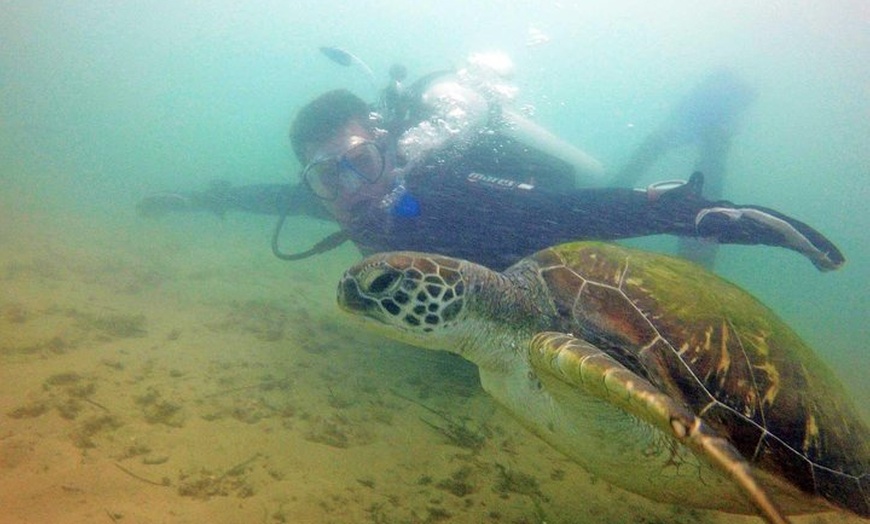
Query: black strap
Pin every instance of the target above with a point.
(327, 244)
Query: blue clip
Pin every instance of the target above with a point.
(406, 206)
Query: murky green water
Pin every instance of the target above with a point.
(174, 371)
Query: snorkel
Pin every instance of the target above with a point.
(390, 104)
(348, 59)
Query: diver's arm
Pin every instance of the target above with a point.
(613, 213)
(518, 219)
(221, 197)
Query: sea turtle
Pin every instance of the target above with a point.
(647, 370)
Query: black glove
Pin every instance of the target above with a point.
(159, 204)
(727, 223)
(214, 199)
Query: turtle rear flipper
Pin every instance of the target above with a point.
(582, 365)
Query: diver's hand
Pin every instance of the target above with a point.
(159, 204)
(726, 223)
(216, 199)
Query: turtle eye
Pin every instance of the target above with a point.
(380, 282)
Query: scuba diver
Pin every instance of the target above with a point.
(443, 165)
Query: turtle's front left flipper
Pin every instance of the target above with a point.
(592, 371)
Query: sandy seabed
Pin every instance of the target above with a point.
(169, 372)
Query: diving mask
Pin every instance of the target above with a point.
(360, 165)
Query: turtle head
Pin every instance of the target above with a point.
(419, 297)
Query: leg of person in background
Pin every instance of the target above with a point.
(713, 150)
(647, 153)
(707, 119)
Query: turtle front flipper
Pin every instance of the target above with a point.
(583, 366)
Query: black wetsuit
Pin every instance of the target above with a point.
(498, 213)
(495, 221)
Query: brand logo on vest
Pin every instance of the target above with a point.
(503, 183)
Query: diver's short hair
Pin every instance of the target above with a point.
(318, 120)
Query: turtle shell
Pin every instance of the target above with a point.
(730, 359)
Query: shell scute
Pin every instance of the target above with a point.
(729, 358)
(781, 459)
(607, 311)
(564, 286)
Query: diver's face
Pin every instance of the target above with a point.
(348, 170)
